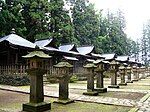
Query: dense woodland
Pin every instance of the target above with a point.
(71, 21)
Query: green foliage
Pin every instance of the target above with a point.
(35, 15)
(14, 80)
(112, 31)
(60, 24)
(86, 23)
(145, 44)
(39, 19)
(73, 79)
(10, 17)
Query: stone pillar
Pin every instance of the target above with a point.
(129, 75)
(114, 78)
(135, 72)
(63, 88)
(122, 71)
(100, 83)
(90, 80)
(113, 72)
(36, 73)
(143, 72)
(64, 69)
(36, 87)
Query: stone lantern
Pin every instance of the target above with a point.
(64, 70)
(102, 66)
(123, 72)
(135, 73)
(90, 79)
(36, 72)
(129, 71)
(113, 69)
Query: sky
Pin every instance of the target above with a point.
(136, 13)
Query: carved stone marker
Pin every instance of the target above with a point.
(90, 79)
(64, 70)
(36, 73)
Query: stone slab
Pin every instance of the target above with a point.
(92, 93)
(101, 90)
(129, 81)
(36, 107)
(64, 102)
(122, 84)
(113, 86)
(135, 80)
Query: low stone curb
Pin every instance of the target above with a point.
(133, 110)
(107, 103)
(145, 98)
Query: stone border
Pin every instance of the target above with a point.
(25, 92)
(144, 98)
(134, 110)
(103, 103)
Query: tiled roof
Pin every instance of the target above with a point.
(85, 50)
(67, 48)
(17, 40)
(70, 58)
(122, 58)
(109, 56)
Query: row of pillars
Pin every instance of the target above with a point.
(37, 104)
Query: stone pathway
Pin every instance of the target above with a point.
(76, 94)
(144, 106)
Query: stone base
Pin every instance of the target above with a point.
(101, 90)
(135, 80)
(142, 77)
(92, 93)
(113, 86)
(64, 102)
(129, 81)
(36, 107)
(122, 84)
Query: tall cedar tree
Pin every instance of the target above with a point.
(60, 25)
(35, 13)
(85, 21)
(10, 17)
(112, 36)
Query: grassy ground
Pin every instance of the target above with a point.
(12, 102)
(88, 107)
